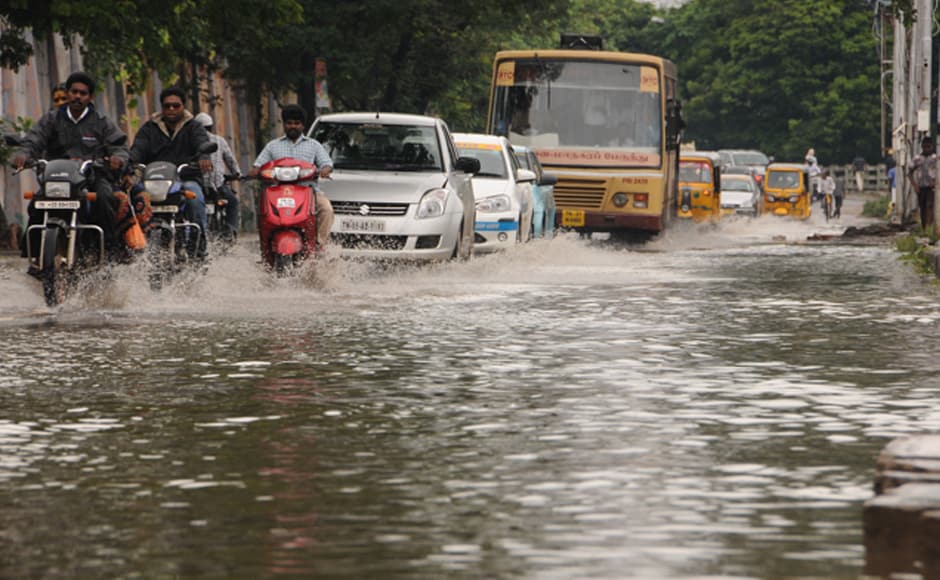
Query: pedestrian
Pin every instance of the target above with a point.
(828, 188)
(814, 173)
(859, 165)
(838, 193)
(923, 175)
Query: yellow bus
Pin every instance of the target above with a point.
(607, 124)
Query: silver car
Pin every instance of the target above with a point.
(398, 188)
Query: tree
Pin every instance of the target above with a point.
(778, 75)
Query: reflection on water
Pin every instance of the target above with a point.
(710, 404)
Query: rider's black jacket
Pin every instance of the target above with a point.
(56, 136)
(155, 142)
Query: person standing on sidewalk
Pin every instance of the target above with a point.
(923, 175)
(859, 164)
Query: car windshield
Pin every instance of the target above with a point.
(379, 146)
(736, 185)
(695, 171)
(750, 158)
(783, 180)
(492, 162)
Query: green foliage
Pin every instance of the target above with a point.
(914, 252)
(877, 208)
(779, 75)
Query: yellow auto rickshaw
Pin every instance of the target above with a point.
(699, 186)
(787, 190)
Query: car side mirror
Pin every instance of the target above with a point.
(469, 165)
(525, 175)
(548, 179)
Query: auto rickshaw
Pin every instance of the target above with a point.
(699, 186)
(786, 190)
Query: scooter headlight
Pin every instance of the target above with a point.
(58, 189)
(291, 173)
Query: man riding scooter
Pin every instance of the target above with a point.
(296, 145)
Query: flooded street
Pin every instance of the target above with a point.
(709, 404)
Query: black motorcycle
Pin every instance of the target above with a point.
(173, 241)
(61, 245)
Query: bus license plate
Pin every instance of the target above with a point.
(62, 204)
(572, 218)
(348, 225)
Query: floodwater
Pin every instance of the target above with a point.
(710, 404)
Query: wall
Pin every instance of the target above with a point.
(26, 93)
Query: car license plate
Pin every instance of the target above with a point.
(164, 209)
(572, 218)
(350, 225)
(64, 204)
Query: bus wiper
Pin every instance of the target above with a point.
(548, 79)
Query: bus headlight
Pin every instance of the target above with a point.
(621, 199)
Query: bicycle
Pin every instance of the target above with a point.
(825, 204)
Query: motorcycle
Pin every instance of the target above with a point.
(173, 241)
(217, 215)
(287, 224)
(68, 246)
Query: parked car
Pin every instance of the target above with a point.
(752, 159)
(739, 194)
(543, 192)
(503, 192)
(398, 188)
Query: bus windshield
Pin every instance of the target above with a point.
(576, 112)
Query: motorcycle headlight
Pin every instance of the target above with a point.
(291, 173)
(494, 204)
(58, 189)
(432, 204)
(157, 188)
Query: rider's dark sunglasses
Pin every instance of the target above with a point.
(172, 105)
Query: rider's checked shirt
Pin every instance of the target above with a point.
(304, 148)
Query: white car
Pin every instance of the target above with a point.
(398, 188)
(503, 191)
(739, 194)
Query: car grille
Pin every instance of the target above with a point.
(374, 209)
(584, 193)
(369, 242)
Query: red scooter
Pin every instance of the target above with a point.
(287, 226)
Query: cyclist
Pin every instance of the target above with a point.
(828, 188)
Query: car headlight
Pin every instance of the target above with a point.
(496, 203)
(432, 204)
(58, 189)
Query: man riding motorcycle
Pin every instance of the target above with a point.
(78, 131)
(222, 159)
(172, 136)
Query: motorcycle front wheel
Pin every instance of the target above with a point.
(55, 282)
